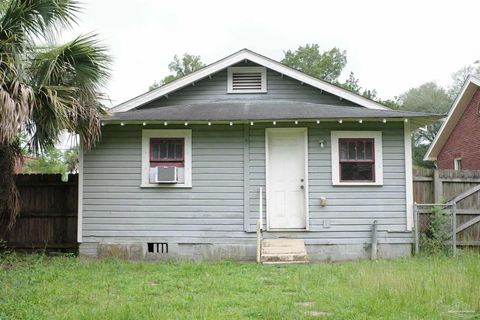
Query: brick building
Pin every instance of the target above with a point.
(457, 144)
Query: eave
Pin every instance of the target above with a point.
(456, 111)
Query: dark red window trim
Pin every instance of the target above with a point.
(170, 160)
(356, 160)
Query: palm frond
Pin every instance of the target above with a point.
(27, 19)
(68, 80)
(16, 102)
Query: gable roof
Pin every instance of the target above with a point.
(239, 56)
(456, 111)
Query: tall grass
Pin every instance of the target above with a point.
(39, 287)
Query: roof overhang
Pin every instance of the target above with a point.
(456, 111)
(261, 111)
(237, 57)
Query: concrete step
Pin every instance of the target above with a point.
(284, 262)
(283, 243)
(284, 250)
(284, 257)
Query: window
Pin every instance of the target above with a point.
(357, 158)
(167, 148)
(357, 161)
(167, 151)
(457, 164)
(247, 80)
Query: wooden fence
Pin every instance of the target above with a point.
(48, 216)
(461, 187)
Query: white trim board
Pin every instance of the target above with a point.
(377, 136)
(407, 143)
(456, 111)
(80, 193)
(235, 58)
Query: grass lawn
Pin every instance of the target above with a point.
(39, 287)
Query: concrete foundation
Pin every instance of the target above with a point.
(345, 252)
(193, 251)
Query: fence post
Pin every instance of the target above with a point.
(454, 229)
(415, 227)
(437, 187)
(373, 255)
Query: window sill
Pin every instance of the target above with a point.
(166, 186)
(246, 91)
(373, 184)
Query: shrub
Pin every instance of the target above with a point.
(434, 238)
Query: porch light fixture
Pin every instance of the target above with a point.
(296, 122)
(103, 123)
(318, 121)
(186, 123)
(231, 123)
(322, 143)
(406, 120)
(209, 123)
(144, 124)
(340, 121)
(384, 120)
(165, 123)
(274, 123)
(360, 121)
(251, 123)
(122, 124)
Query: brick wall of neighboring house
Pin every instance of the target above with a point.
(20, 162)
(464, 141)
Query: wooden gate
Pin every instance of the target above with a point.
(461, 187)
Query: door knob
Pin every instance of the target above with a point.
(302, 187)
(301, 180)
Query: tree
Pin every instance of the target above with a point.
(327, 65)
(429, 97)
(44, 90)
(393, 103)
(459, 77)
(179, 68)
(71, 160)
(352, 84)
(54, 161)
(51, 161)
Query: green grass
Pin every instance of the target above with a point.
(39, 287)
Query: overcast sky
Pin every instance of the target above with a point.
(390, 46)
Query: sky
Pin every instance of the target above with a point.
(391, 46)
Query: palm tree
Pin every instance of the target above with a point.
(44, 90)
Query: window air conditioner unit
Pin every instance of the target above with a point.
(163, 175)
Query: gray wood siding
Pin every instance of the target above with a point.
(278, 87)
(116, 209)
(350, 210)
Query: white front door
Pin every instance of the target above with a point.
(286, 161)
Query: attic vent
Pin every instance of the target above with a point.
(247, 80)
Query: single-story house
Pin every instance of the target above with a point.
(457, 144)
(187, 170)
